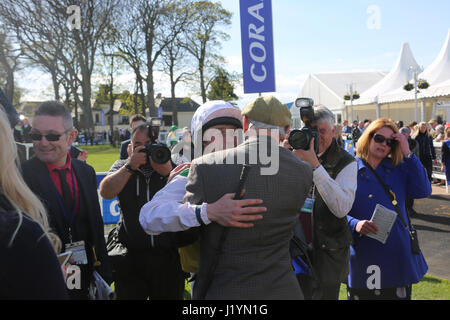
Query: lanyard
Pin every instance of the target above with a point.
(74, 207)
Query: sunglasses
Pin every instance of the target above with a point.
(380, 139)
(50, 137)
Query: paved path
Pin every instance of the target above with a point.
(433, 226)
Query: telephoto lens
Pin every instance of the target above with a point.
(300, 139)
(160, 154)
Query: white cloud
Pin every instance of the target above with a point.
(234, 63)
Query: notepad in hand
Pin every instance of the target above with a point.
(384, 219)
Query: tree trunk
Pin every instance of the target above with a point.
(202, 84)
(56, 87)
(174, 107)
(135, 98)
(86, 106)
(9, 87)
(142, 95)
(151, 95)
(111, 100)
(76, 123)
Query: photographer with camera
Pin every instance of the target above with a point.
(331, 198)
(150, 267)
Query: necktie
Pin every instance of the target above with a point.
(66, 193)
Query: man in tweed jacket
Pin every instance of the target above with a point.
(251, 263)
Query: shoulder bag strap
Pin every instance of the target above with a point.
(389, 193)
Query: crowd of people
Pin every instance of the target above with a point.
(215, 213)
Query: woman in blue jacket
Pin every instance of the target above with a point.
(385, 271)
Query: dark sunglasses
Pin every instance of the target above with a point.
(380, 139)
(50, 137)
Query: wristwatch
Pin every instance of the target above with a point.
(129, 169)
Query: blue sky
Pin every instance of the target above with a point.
(327, 36)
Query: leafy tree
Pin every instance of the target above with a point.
(222, 87)
(9, 65)
(150, 26)
(131, 103)
(203, 38)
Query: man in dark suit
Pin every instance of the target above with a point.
(251, 263)
(68, 188)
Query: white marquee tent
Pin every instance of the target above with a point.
(396, 78)
(437, 75)
(329, 88)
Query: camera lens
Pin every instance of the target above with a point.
(299, 139)
(160, 154)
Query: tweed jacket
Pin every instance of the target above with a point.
(252, 263)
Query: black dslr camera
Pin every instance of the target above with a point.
(301, 139)
(157, 151)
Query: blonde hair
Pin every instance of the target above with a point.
(417, 132)
(447, 133)
(362, 148)
(14, 188)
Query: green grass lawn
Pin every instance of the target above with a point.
(101, 157)
(430, 288)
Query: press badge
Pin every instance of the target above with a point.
(308, 205)
(309, 202)
(78, 252)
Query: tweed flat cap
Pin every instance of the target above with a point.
(268, 110)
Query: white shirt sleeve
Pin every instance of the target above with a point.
(166, 212)
(338, 194)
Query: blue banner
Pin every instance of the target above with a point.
(109, 208)
(257, 46)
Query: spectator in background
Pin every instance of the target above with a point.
(17, 134)
(68, 188)
(357, 132)
(366, 124)
(426, 148)
(385, 271)
(172, 137)
(432, 129)
(399, 124)
(183, 151)
(440, 133)
(346, 128)
(26, 129)
(29, 268)
(445, 160)
(135, 121)
(116, 135)
(414, 147)
(86, 136)
(338, 135)
(413, 127)
(76, 153)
